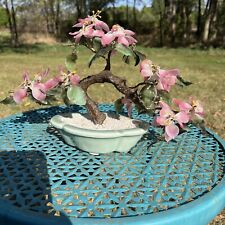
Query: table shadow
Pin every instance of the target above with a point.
(25, 185)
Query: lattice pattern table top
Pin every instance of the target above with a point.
(39, 172)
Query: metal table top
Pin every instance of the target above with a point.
(43, 180)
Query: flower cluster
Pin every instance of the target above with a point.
(166, 78)
(38, 89)
(167, 118)
(91, 27)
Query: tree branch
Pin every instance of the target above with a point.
(106, 76)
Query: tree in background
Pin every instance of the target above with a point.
(157, 22)
(12, 20)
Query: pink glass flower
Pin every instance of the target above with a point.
(169, 119)
(120, 35)
(38, 91)
(51, 83)
(19, 95)
(83, 22)
(194, 107)
(98, 24)
(75, 79)
(146, 69)
(91, 27)
(86, 31)
(167, 78)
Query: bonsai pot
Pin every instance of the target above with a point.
(99, 140)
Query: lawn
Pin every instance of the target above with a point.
(206, 69)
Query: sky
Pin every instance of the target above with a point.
(139, 3)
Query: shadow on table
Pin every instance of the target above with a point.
(24, 183)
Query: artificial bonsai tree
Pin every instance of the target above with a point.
(147, 96)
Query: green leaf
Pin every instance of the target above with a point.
(148, 96)
(8, 100)
(70, 61)
(100, 53)
(184, 82)
(124, 49)
(140, 55)
(118, 105)
(76, 95)
(97, 43)
(137, 59)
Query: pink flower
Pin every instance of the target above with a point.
(83, 22)
(86, 31)
(52, 83)
(167, 78)
(146, 69)
(74, 79)
(120, 35)
(168, 119)
(98, 24)
(19, 95)
(91, 27)
(194, 107)
(38, 91)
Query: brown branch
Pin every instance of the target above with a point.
(106, 76)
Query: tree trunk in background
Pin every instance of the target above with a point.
(209, 15)
(57, 18)
(134, 14)
(11, 14)
(114, 12)
(161, 24)
(9, 19)
(199, 19)
(14, 23)
(79, 10)
(173, 21)
(127, 12)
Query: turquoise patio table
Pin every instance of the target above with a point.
(44, 181)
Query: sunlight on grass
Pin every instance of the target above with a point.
(204, 68)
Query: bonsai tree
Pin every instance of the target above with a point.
(147, 96)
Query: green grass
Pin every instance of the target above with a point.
(206, 69)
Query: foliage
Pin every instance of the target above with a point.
(161, 22)
(3, 17)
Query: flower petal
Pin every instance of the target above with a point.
(107, 39)
(123, 40)
(38, 91)
(97, 33)
(51, 83)
(131, 40)
(101, 25)
(183, 106)
(182, 117)
(172, 131)
(75, 79)
(129, 32)
(19, 95)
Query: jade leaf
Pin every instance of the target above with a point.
(7, 100)
(124, 49)
(118, 105)
(76, 95)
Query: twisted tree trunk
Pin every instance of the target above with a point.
(106, 76)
